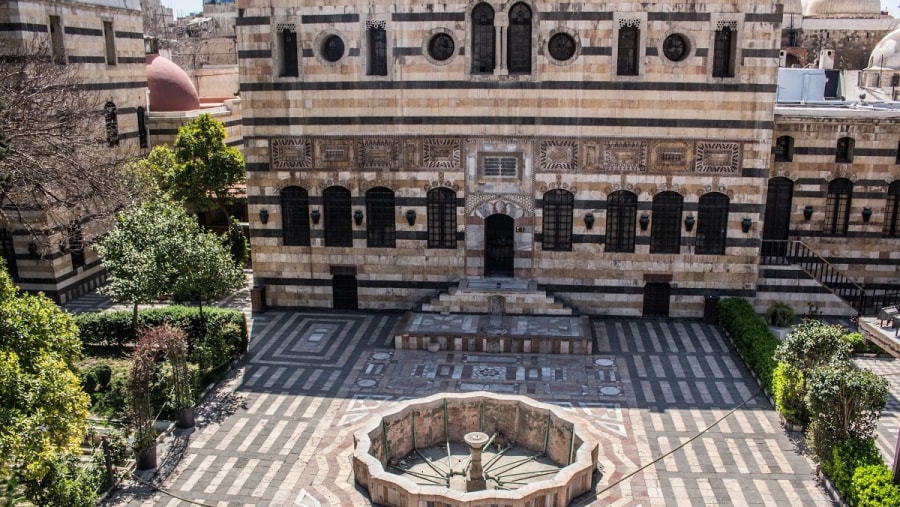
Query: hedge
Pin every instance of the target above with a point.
(752, 337)
(874, 486)
(213, 342)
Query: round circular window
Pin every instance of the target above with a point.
(676, 47)
(561, 46)
(441, 47)
(333, 48)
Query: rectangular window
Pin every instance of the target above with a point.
(501, 167)
(57, 45)
(724, 49)
(784, 149)
(441, 218)
(287, 47)
(110, 38)
(629, 42)
(76, 245)
(377, 50)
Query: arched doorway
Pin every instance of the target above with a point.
(499, 245)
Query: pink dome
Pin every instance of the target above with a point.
(170, 87)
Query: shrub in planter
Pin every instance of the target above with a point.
(874, 487)
(787, 390)
(780, 315)
(106, 382)
(846, 457)
(65, 483)
(752, 337)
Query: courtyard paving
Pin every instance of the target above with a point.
(679, 419)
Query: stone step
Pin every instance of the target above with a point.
(791, 285)
(521, 297)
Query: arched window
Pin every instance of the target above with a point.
(519, 40)
(724, 50)
(377, 65)
(112, 123)
(621, 212)
(295, 216)
(837, 207)
(557, 210)
(784, 149)
(338, 229)
(712, 224)
(441, 218)
(381, 224)
(482, 39)
(665, 230)
(892, 211)
(844, 152)
(628, 50)
(286, 46)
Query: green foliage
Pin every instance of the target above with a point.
(43, 409)
(788, 391)
(105, 381)
(237, 243)
(157, 249)
(846, 457)
(780, 315)
(844, 403)
(751, 336)
(65, 484)
(856, 342)
(206, 167)
(874, 487)
(811, 344)
(153, 169)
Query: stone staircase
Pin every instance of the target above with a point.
(791, 285)
(520, 297)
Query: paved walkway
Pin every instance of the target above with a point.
(679, 419)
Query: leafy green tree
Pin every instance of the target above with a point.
(206, 167)
(156, 249)
(809, 345)
(844, 403)
(155, 168)
(44, 410)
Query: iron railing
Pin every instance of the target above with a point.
(794, 252)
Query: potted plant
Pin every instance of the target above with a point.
(182, 396)
(144, 443)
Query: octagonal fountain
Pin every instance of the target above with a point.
(474, 449)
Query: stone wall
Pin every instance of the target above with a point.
(573, 124)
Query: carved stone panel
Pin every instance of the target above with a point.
(559, 155)
(291, 153)
(718, 157)
(671, 156)
(441, 153)
(334, 153)
(628, 155)
(590, 155)
(412, 153)
(377, 153)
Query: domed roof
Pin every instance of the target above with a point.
(854, 9)
(170, 87)
(887, 53)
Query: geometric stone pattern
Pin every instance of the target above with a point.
(311, 380)
(554, 154)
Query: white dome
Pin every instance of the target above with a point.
(887, 53)
(853, 9)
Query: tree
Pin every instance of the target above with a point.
(156, 249)
(206, 167)
(844, 403)
(58, 163)
(44, 410)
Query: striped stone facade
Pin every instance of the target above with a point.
(105, 40)
(574, 124)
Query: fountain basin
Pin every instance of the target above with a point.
(443, 420)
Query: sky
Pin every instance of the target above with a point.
(183, 7)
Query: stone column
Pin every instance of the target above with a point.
(475, 478)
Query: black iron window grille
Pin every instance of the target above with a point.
(724, 49)
(483, 39)
(295, 216)
(518, 39)
(287, 46)
(837, 207)
(627, 57)
(621, 214)
(844, 152)
(892, 211)
(665, 229)
(338, 221)
(381, 223)
(712, 224)
(441, 218)
(377, 49)
(558, 207)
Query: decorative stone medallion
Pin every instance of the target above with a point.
(671, 156)
(291, 153)
(625, 155)
(718, 157)
(559, 155)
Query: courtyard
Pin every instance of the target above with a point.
(679, 419)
